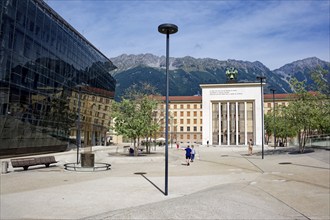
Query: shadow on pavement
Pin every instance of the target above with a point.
(143, 175)
(303, 165)
(284, 151)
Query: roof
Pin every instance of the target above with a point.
(98, 91)
(278, 96)
(182, 98)
(284, 96)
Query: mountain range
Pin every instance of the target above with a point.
(187, 73)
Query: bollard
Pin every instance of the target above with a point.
(4, 167)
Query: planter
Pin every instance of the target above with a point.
(87, 159)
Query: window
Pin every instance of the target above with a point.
(195, 106)
(188, 128)
(188, 106)
(181, 106)
(181, 128)
(195, 121)
(174, 106)
(188, 121)
(181, 114)
(195, 114)
(175, 114)
(201, 128)
(201, 113)
(188, 114)
(195, 128)
(181, 121)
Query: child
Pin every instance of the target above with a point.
(193, 152)
(250, 147)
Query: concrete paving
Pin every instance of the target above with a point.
(222, 183)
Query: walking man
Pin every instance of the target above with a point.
(188, 154)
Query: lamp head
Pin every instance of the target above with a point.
(167, 28)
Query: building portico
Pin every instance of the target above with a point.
(231, 113)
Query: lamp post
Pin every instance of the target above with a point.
(78, 134)
(273, 90)
(261, 78)
(167, 29)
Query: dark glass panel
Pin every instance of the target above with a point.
(42, 62)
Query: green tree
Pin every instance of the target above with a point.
(306, 113)
(322, 85)
(134, 115)
(269, 127)
(283, 128)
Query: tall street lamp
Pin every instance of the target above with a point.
(273, 90)
(78, 134)
(167, 29)
(261, 78)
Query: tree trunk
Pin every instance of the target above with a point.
(135, 148)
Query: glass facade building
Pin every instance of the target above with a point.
(45, 64)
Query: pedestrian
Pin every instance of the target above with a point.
(177, 146)
(193, 152)
(207, 142)
(188, 154)
(250, 147)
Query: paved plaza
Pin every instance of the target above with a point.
(222, 183)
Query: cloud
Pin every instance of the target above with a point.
(273, 32)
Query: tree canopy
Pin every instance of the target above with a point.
(135, 114)
(308, 113)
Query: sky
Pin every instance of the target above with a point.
(270, 31)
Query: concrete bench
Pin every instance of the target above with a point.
(32, 161)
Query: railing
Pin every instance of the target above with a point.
(319, 141)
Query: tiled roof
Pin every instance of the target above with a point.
(182, 98)
(278, 96)
(283, 96)
(98, 91)
(199, 98)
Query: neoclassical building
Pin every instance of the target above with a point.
(232, 113)
(225, 114)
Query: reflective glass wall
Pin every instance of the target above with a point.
(43, 62)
